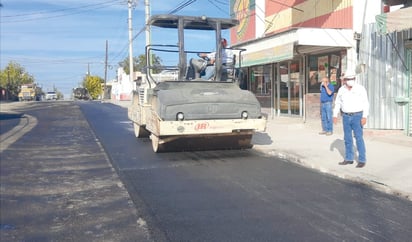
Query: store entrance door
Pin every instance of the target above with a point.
(289, 88)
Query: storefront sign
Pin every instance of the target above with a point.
(269, 55)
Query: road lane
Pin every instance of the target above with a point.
(57, 183)
(242, 195)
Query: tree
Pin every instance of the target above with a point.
(139, 64)
(13, 76)
(58, 93)
(94, 85)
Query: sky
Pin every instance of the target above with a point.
(59, 41)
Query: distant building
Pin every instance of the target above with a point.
(122, 88)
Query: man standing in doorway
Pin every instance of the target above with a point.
(352, 102)
(326, 98)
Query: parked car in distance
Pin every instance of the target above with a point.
(81, 93)
(51, 96)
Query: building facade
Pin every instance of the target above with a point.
(121, 87)
(290, 45)
(386, 53)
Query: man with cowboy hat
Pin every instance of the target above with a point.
(352, 103)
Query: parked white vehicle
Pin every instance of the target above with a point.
(51, 96)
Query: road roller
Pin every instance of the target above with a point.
(186, 112)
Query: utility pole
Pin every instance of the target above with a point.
(8, 83)
(148, 36)
(105, 70)
(130, 42)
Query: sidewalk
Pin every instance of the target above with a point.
(388, 152)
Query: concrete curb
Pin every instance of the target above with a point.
(289, 157)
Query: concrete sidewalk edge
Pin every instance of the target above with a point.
(293, 158)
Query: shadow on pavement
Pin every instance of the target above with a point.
(6, 116)
(261, 139)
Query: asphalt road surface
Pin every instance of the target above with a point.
(242, 195)
(57, 183)
(79, 174)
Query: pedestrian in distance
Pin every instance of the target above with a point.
(326, 100)
(353, 105)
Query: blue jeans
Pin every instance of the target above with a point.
(326, 116)
(352, 123)
(209, 72)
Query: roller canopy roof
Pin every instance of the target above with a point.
(191, 22)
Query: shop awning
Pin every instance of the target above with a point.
(270, 49)
(297, 41)
(268, 55)
(394, 21)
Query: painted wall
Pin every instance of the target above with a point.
(262, 18)
(244, 11)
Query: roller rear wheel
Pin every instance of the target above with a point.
(157, 144)
(140, 131)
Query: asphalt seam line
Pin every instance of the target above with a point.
(27, 123)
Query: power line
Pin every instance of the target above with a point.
(38, 15)
(57, 10)
(214, 4)
(51, 60)
(182, 5)
(221, 2)
(289, 6)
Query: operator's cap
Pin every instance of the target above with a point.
(349, 75)
(224, 42)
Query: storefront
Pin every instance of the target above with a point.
(277, 86)
(285, 71)
(319, 65)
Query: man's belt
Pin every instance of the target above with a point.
(351, 114)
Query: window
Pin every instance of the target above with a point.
(261, 80)
(328, 65)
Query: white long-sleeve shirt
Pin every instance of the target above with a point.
(227, 56)
(351, 101)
